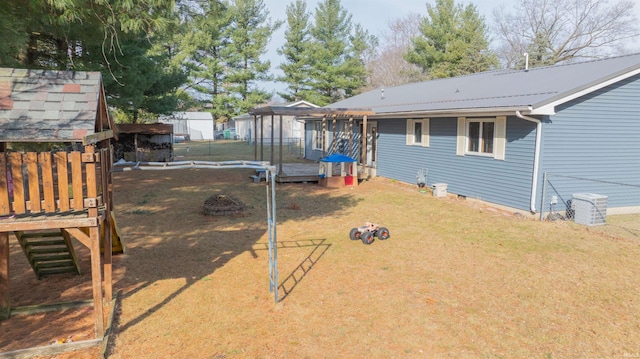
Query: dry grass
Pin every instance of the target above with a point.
(456, 279)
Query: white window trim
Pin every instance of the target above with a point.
(499, 137)
(410, 137)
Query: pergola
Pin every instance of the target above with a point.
(325, 113)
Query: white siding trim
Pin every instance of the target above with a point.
(462, 136)
(500, 138)
(409, 139)
(410, 134)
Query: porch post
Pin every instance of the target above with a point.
(350, 135)
(324, 135)
(334, 124)
(261, 137)
(363, 150)
(255, 137)
(5, 300)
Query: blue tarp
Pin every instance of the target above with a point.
(336, 157)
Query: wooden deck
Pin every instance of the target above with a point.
(297, 172)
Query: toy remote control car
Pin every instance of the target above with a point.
(368, 232)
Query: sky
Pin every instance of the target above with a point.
(374, 15)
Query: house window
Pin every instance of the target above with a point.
(317, 135)
(418, 133)
(480, 136)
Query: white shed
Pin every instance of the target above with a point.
(195, 126)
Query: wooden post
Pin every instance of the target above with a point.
(324, 135)
(135, 145)
(350, 136)
(107, 195)
(5, 300)
(255, 137)
(334, 125)
(96, 280)
(94, 232)
(364, 142)
(261, 137)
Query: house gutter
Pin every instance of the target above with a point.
(536, 158)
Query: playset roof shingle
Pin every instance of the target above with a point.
(49, 106)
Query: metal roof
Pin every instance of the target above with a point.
(536, 90)
(303, 105)
(309, 111)
(50, 106)
(197, 116)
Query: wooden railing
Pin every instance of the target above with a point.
(51, 182)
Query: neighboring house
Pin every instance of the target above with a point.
(193, 126)
(494, 135)
(292, 127)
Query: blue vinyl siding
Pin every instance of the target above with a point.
(597, 137)
(505, 182)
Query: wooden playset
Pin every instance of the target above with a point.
(49, 196)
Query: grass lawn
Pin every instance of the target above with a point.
(456, 278)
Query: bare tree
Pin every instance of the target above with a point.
(388, 67)
(555, 31)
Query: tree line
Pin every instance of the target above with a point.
(159, 56)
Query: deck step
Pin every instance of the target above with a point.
(50, 258)
(27, 235)
(40, 243)
(57, 270)
(49, 252)
(55, 264)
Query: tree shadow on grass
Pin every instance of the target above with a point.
(153, 208)
(195, 261)
(170, 239)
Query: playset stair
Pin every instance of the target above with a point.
(49, 252)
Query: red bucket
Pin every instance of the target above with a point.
(349, 180)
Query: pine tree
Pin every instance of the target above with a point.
(143, 84)
(453, 41)
(202, 52)
(249, 35)
(336, 68)
(114, 37)
(295, 52)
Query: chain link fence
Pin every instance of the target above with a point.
(291, 145)
(586, 200)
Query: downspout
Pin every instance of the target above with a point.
(536, 158)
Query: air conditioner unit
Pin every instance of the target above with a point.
(589, 209)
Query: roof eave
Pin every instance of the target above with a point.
(484, 111)
(547, 107)
(309, 112)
